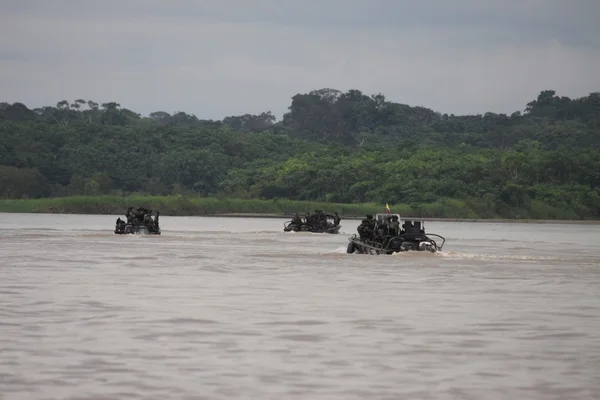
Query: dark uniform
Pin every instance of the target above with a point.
(393, 226)
(129, 214)
(336, 219)
(366, 229)
(296, 220)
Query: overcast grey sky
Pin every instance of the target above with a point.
(229, 57)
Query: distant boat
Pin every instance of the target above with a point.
(140, 222)
(319, 222)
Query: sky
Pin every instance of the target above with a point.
(232, 57)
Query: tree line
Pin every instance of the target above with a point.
(330, 146)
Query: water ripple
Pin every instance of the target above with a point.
(234, 308)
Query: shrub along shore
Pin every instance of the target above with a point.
(349, 152)
(454, 210)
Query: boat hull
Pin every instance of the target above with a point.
(392, 245)
(136, 229)
(306, 228)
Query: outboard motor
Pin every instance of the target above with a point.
(406, 246)
(395, 244)
(427, 246)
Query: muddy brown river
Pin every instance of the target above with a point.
(234, 308)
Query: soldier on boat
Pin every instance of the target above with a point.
(317, 222)
(383, 235)
(140, 221)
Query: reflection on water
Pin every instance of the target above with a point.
(235, 308)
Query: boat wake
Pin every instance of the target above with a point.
(497, 257)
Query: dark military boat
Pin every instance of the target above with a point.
(290, 227)
(318, 222)
(412, 237)
(140, 222)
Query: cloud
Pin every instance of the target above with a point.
(217, 59)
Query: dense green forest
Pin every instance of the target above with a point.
(329, 147)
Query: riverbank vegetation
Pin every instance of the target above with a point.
(335, 151)
(179, 205)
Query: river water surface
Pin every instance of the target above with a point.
(234, 308)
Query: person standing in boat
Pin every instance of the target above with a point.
(372, 222)
(366, 230)
(309, 219)
(393, 226)
(381, 229)
(323, 220)
(296, 220)
(129, 215)
(363, 229)
(336, 219)
(148, 220)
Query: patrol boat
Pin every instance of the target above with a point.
(411, 237)
(140, 222)
(319, 222)
(304, 227)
